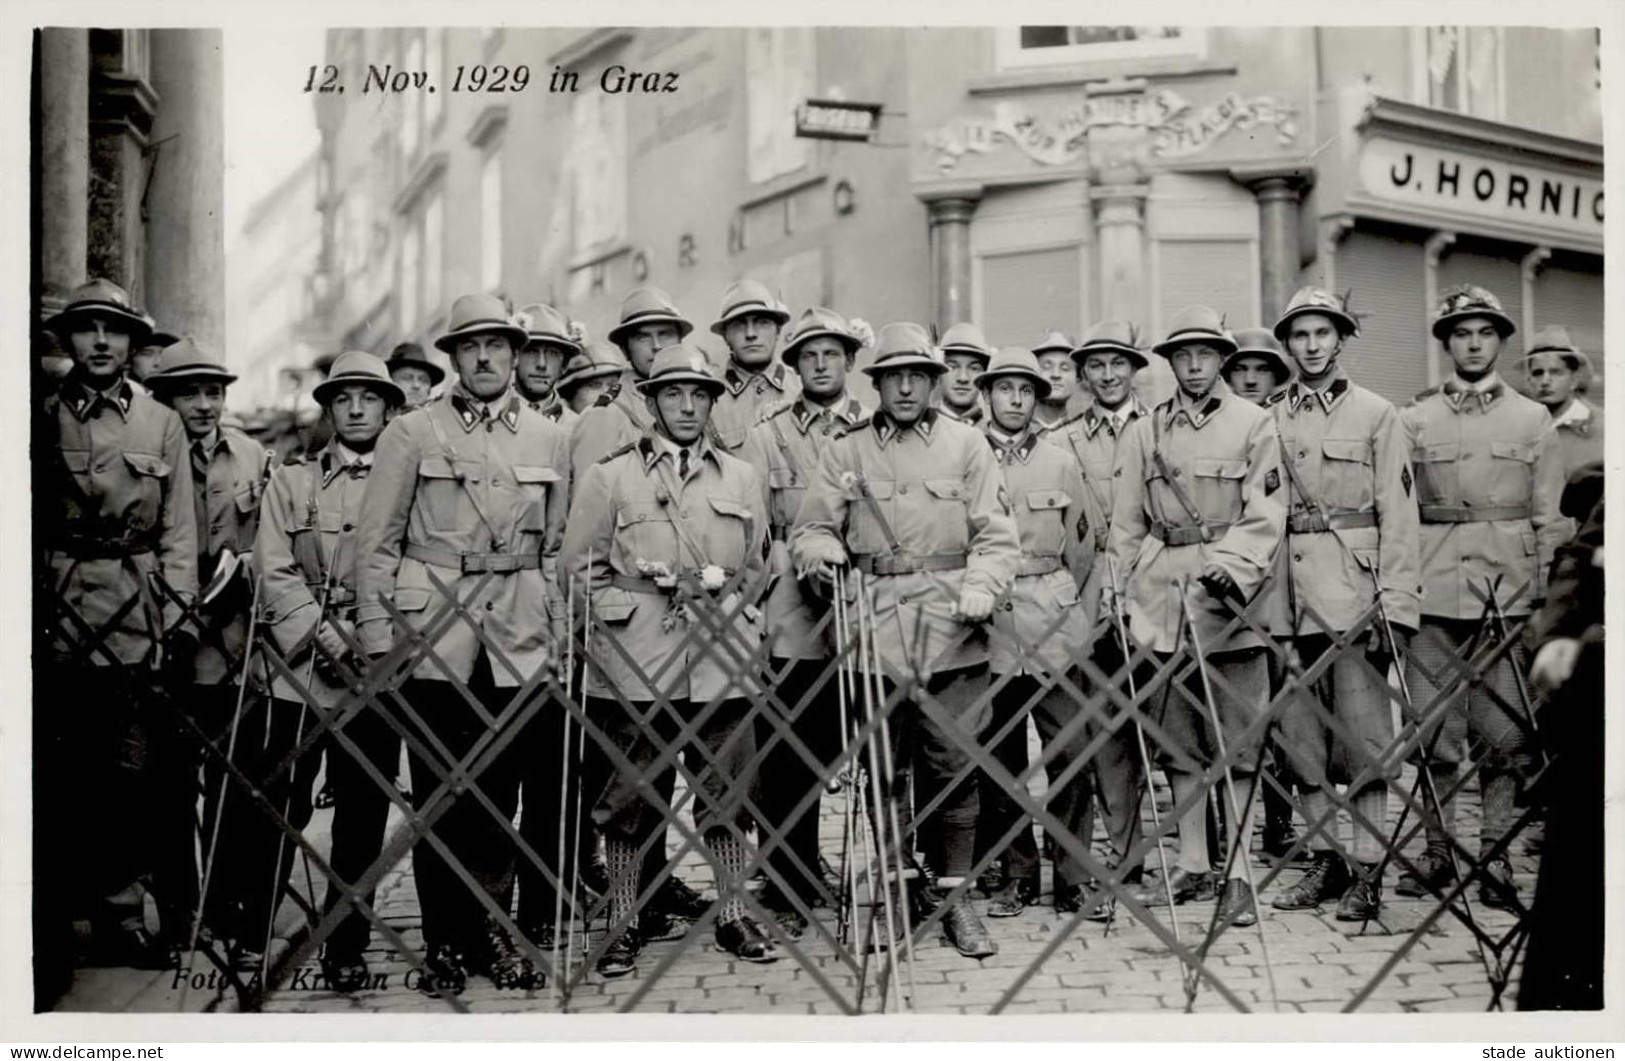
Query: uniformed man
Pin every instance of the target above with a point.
(1558, 373)
(1066, 398)
(966, 353)
(415, 372)
(228, 471)
(595, 370)
(1199, 511)
(1488, 476)
(1257, 368)
(472, 488)
(1351, 540)
(1038, 632)
(1108, 361)
(914, 501)
(662, 519)
(784, 449)
(116, 519)
(749, 322)
(306, 554)
(537, 370)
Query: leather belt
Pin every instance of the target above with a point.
(1318, 522)
(1187, 533)
(1038, 565)
(474, 563)
(647, 585)
(1472, 513)
(906, 564)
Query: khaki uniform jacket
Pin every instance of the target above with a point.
(439, 474)
(784, 448)
(557, 410)
(1346, 448)
(1224, 454)
(1040, 612)
(226, 490)
(748, 396)
(1491, 451)
(606, 425)
(1091, 437)
(629, 507)
(307, 535)
(115, 500)
(939, 490)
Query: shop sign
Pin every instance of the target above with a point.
(825, 119)
(1460, 182)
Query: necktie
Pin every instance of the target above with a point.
(682, 463)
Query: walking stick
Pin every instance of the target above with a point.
(892, 824)
(575, 827)
(1229, 784)
(564, 790)
(877, 817)
(848, 894)
(1145, 757)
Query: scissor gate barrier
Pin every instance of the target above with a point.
(878, 905)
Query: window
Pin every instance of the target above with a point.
(1464, 70)
(780, 70)
(1022, 46)
(598, 162)
(491, 222)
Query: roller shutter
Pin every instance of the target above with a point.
(1570, 295)
(1381, 272)
(1215, 273)
(1030, 293)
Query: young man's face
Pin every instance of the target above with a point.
(415, 382)
(1109, 377)
(904, 392)
(751, 339)
(1251, 378)
(144, 362)
(199, 406)
(822, 364)
(1196, 366)
(647, 340)
(100, 347)
(1011, 400)
(485, 364)
(587, 391)
(1550, 379)
(1473, 344)
(684, 409)
(537, 369)
(1313, 341)
(959, 382)
(1061, 372)
(358, 412)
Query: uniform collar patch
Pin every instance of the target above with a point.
(470, 410)
(738, 378)
(83, 400)
(885, 427)
(1006, 449)
(1327, 396)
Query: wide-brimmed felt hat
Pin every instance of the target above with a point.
(1554, 339)
(411, 355)
(1317, 300)
(1053, 343)
(161, 339)
(904, 344)
(476, 315)
(186, 362)
(1258, 342)
(965, 338)
(544, 324)
(681, 363)
(648, 305)
(1196, 324)
(748, 296)
(819, 322)
(595, 360)
(1111, 336)
(101, 298)
(1469, 300)
(1014, 361)
(358, 366)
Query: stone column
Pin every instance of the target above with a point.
(185, 233)
(1278, 256)
(64, 162)
(1432, 251)
(1120, 242)
(949, 218)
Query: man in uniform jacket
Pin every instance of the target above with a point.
(783, 448)
(472, 488)
(114, 508)
(1488, 476)
(749, 322)
(228, 471)
(306, 556)
(537, 369)
(1352, 537)
(1066, 397)
(664, 519)
(914, 501)
(596, 369)
(1199, 512)
(1038, 634)
(965, 353)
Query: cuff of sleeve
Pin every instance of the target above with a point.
(376, 635)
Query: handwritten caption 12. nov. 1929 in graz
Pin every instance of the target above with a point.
(495, 77)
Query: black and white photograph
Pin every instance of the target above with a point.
(814, 520)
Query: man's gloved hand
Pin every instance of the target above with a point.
(1218, 583)
(975, 606)
(819, 557)
(330, 640)
(1554, 663)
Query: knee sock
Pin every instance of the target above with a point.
(1499, 789)
(1440, 831)
(1371, 803)
(731, 877)
(1192, 824)
(1247, 807)
(620, 857)
(1319, 818)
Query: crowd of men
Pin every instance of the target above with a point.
(1009, 512)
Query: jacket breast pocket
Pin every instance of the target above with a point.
(1044, 521)
(644, 532)
(1512, 464)
(149, 478)
(863, 529)
(1346, 473)
(1435, 467)
(947, 528)
(441, 486)
(729, 533)
(534, 481)
(1217, 483)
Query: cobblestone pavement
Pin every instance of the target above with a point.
(1318, 963)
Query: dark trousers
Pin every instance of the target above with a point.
(553, 786)
(360, 813)
(453, 914)
(812, 713)
(926, 760)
